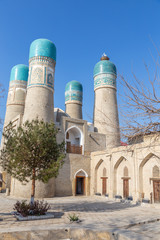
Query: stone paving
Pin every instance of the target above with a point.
(97, 213)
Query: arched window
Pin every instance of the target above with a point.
(155, 171)
(125, 172)
(74, 140)
(104, 172)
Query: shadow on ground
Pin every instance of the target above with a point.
(92, 206)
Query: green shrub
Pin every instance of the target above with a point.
(28, 209)
(73, 217)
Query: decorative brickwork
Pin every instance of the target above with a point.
(105, 80)
(41, 72)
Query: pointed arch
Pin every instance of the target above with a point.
(95, 177)
(81, 170)
(145, 160)
(74, 137)
(122, 158)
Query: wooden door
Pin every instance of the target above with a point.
(125, 188)
(104, 185)
(156, 191)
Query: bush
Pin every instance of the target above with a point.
(73, 217)
(27, 209)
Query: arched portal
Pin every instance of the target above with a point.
(74, 140)
(95, 177)
(122, 178)
(80, 182)
(149, 180)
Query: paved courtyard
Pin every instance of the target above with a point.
(96, 213)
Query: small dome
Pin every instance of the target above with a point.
(73, 91)
(42, 47)
(104, 66)
(19, 72)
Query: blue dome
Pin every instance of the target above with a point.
(74, 85)
(19, 72)
(42, 47)
(104, 66)
(73, 91)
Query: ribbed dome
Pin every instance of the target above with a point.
(104, 66)
(73, 91)
(42, 47)
(19, 72)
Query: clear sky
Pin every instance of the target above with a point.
(82, 31)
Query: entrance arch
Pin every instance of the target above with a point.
(74, 140)
(122, 178)
(81, 183)
(149, 181)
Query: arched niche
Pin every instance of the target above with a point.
(146, 173)
(74, 140)
(118, 183)
(95, 175)
(81, 184)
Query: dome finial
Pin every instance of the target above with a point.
(104, 57)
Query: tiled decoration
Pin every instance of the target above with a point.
(104, 66)
(41, 75)
(73, 92)
(104, 80)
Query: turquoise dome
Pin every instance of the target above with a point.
(42, 47)
(19, 72)
(104, 66)
(73, 91)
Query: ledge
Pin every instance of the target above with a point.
(28, 218)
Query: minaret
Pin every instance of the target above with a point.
(16, 93)
(105, 107)
(40, 89)
(73, 99)
(39, 103)
(15, 100)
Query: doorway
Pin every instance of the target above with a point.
(80, 185)
(156, 191)
(104, 185)
(125, 188)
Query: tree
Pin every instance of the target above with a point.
(31, 152)
(142, 104)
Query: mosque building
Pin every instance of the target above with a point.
(95, 162)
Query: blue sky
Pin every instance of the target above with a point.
(82, 31)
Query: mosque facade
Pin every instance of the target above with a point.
(95, 162)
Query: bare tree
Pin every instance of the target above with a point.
(142, 104)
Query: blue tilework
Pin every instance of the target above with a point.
(105, 81)
(74, 91)
(19, 72)
(104, 66)
(42, 47)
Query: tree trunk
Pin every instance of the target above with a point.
(33, 186)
